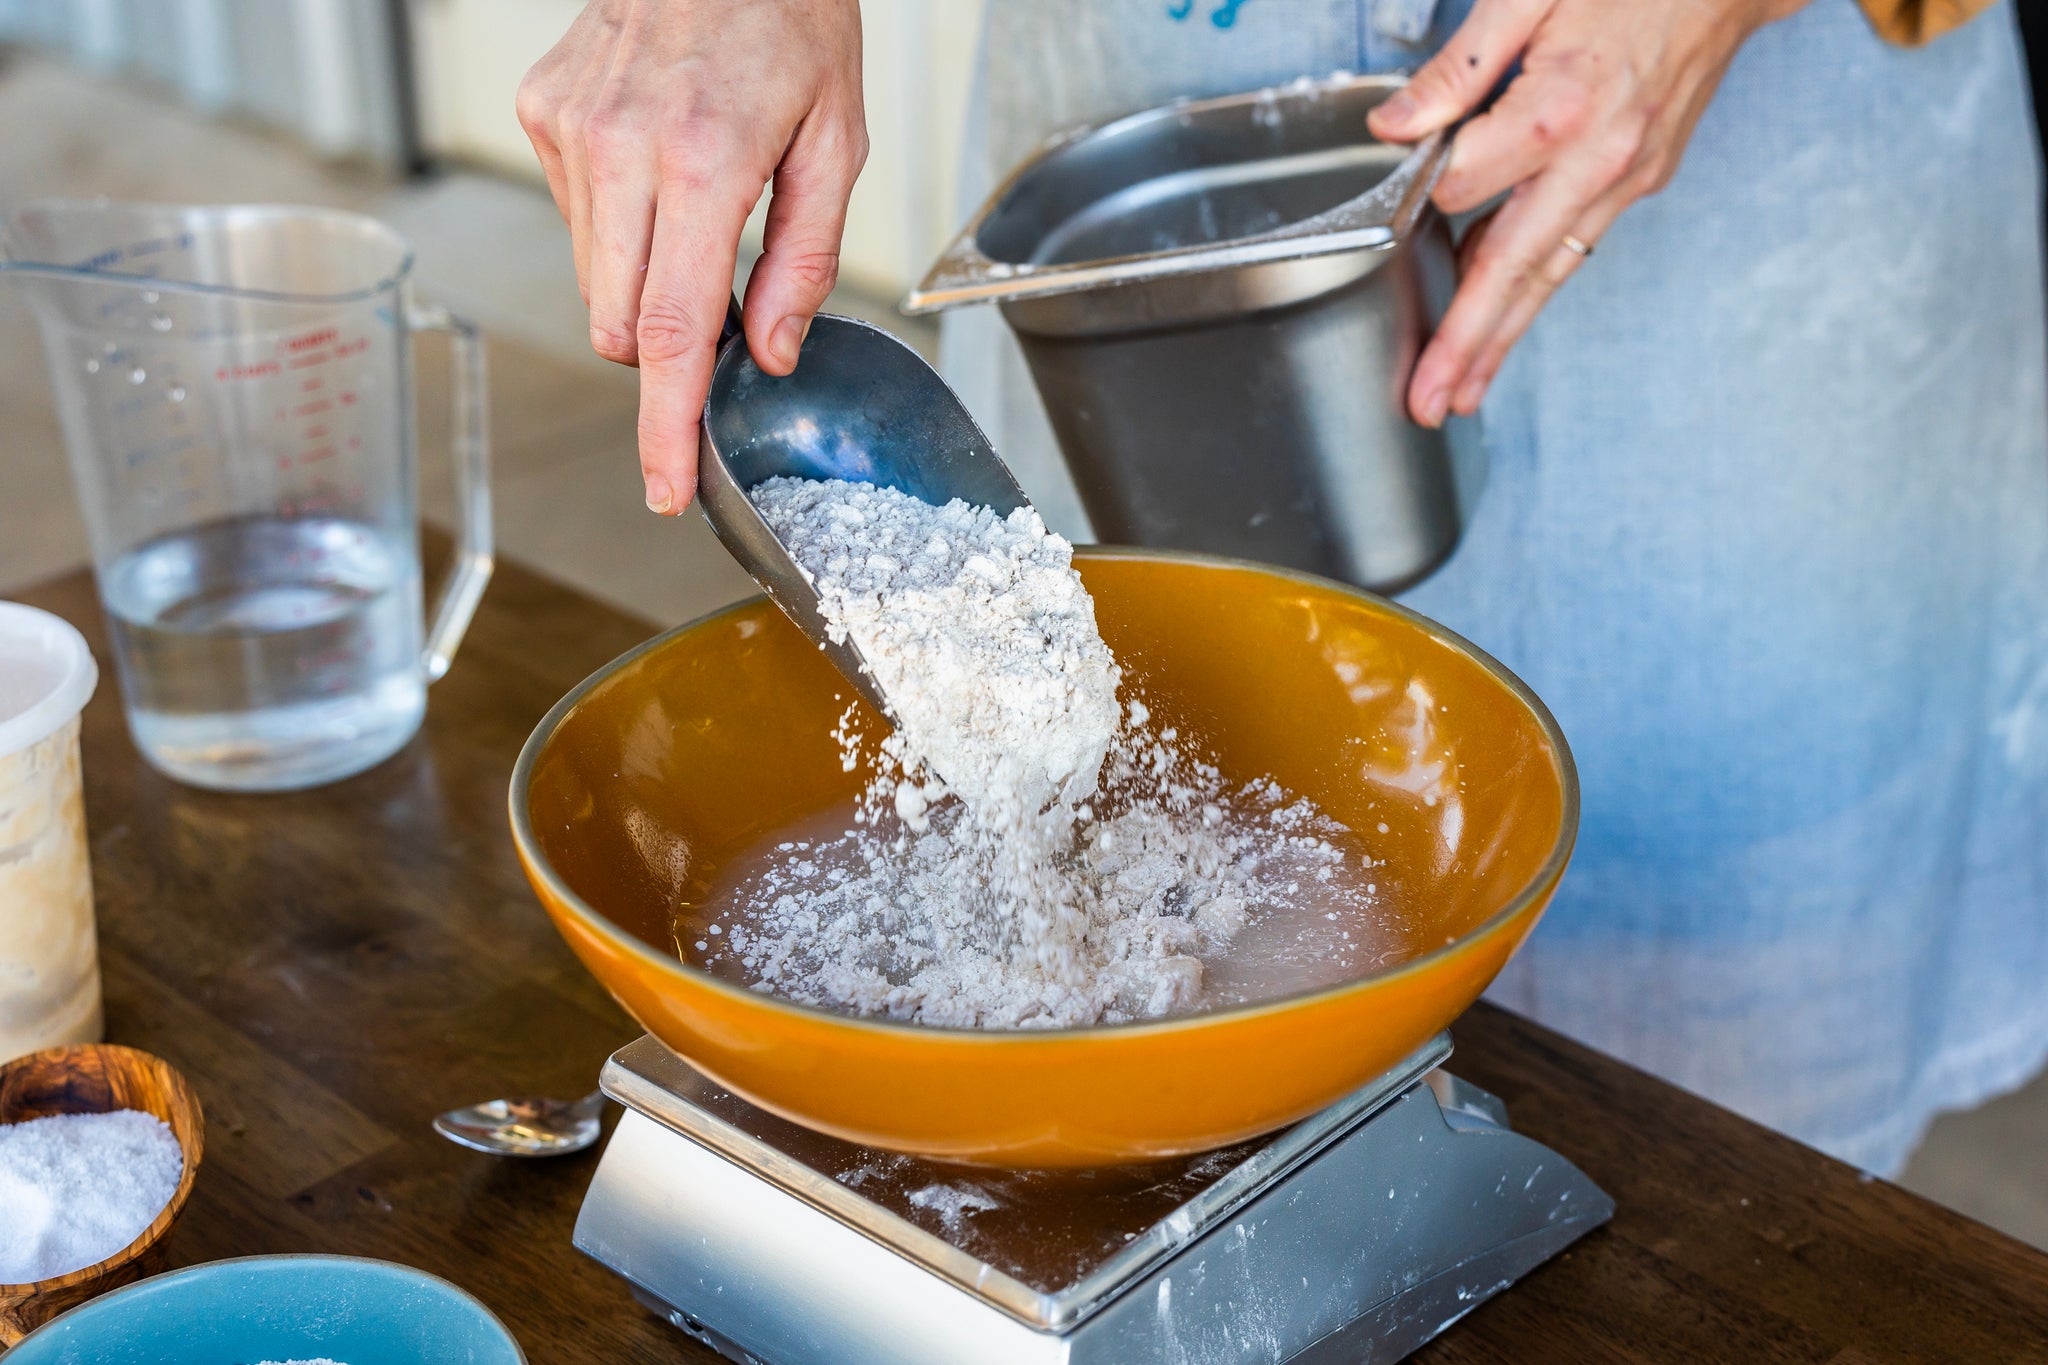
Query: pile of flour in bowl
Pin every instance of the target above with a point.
(978, 631)
(1030, 852)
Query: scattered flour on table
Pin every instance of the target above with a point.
(1086, 868)
(76, 1188)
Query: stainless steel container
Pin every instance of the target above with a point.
(1220, 302)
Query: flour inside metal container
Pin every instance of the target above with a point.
(1032, 851)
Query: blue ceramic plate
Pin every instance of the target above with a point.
(277, 1308)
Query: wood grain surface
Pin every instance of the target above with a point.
(332, 968)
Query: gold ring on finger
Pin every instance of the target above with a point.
(1577, 247)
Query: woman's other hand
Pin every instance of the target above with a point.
(1606, 100)
(659, 123)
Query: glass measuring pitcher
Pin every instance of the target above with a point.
(235, 388)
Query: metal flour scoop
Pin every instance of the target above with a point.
(860, 406)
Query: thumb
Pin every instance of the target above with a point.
(800, 241)
(1451, 84)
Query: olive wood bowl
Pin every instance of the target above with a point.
(95, 1078)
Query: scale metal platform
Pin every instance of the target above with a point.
(1356, 1235)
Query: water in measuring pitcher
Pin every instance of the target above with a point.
(267, 653)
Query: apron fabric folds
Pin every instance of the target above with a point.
(1765, 523)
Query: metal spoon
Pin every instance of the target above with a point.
(860, 405)
(524, 1127)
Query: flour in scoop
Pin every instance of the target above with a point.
(977, 629)
(1030, 852)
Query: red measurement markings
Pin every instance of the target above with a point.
(356, 347)
(315, 433)
(323, 498)
(312, 409)
(306, 362)
(324, 337)
(347, 397)
(306, 457)
(310, 384)
(261, 370)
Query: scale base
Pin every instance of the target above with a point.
(1357, 1248)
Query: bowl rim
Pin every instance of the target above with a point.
(159, 1227)
(527, 845)
(184, 1272)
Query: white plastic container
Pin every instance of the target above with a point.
(49, 952)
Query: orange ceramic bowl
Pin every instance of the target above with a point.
(706, 739)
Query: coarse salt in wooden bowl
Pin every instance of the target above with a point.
(97, 1078)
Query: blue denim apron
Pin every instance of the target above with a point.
(1766, 523)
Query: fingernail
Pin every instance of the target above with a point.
(1396, 109)
(659, 496)
(787, 340)
(1434, 405)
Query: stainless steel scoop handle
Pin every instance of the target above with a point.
(735, 324)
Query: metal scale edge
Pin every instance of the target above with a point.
(1354, 1236)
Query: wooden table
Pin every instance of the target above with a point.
(332, 968)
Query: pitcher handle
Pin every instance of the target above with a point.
(470, 459)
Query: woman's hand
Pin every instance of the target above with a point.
(1606, 100)
(659, 123)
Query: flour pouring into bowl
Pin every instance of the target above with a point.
(1031, 852)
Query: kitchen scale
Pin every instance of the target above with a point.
(1356, 1235)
